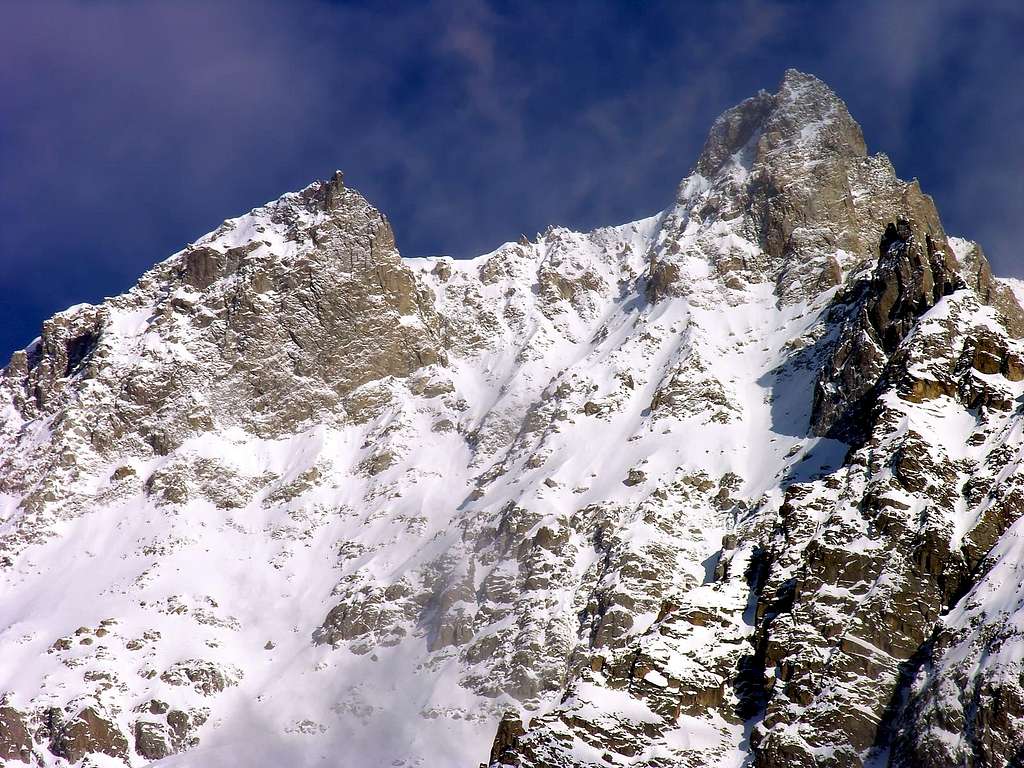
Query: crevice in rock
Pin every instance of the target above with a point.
(749, 683)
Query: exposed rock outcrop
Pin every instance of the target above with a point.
(915, 269)
(736, 483)
(85, 733)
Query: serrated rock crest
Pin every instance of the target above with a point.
(734, 484)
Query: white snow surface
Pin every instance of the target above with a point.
(221, 584)
(576, 384)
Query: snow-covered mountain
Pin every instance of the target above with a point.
(736, 484)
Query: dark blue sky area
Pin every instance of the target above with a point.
(128, 129)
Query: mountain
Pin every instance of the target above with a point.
(736, 484)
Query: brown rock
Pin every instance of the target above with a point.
(88, 732)
(509, 730)
(15, 740)
(151, 740)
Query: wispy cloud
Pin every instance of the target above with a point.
(130, 128)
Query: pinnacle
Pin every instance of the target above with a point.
(793, 77)
(804, 115)
(333, 190)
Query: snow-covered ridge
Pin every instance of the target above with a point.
(616, 497)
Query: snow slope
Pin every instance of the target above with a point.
(295, 500)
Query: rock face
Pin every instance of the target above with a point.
(732, 485)
(85, 734)
(914, 271)
(15, 739)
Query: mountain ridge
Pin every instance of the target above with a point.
(733, 484)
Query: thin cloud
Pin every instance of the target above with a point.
(131, 128)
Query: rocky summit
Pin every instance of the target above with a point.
(734, 485)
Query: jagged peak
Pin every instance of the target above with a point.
(802, 115)
(292, 217)
(328, 193)
(322, 196)
(811, 115)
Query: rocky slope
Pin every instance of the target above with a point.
(732, 485)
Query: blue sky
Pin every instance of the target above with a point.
(128, 128)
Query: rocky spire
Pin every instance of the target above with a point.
(330, 193)
(803, 116)
(788, 176)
